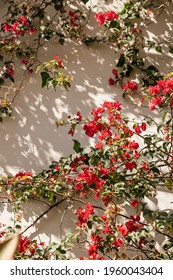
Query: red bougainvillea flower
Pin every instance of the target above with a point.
(130, 86)
(92, 128)
(10, 70)
(100, 18)
(134, 203)
(79, 116)
(155, 101)
(136, 30)
(132, 226)
(110, 15)
(115, 73)
(130, 165)
(122, 229)
(6, 27)
(84, 214)
(139, 128)
(22, 174)
(23, 244)
(24, 20)
(32, 30)
(118, 243)
(111, 82)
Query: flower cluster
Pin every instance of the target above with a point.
(130, 87)
(107, 17)
(19, 27)
(161, 95)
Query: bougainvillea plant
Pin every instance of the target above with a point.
(28, 27)
(128, 164)
(124, 167)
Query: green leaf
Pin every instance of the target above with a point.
(45, 76)
(77, 146)
(151, 70)
(89, 224)
(61, 41)
(164, 116)
(158, 49)
(89, 40)
(11, 79)
(1, 81)
(169, 184)
(171, 49)
(37, 68)
(114, 24)
(121, 61)
(58, 6)
(128, 70)
(85, 1)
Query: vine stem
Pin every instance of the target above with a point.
(43, 214)
(20, 87)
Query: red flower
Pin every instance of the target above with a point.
(130, 165)
(122, 229)
(24, 20)
(137, 129)
(84, 214)
(14, 26)
(134, 203)
(6, 27)
(60, 65)
(79, 116)
(92, 250)
(110, 15)
(23, 244)
(10, 70)
(112, 105)
(155, 101)
(105, 134)
(107, 230)
(118, 243)
(130, 86)
(115, 73)
(32, 30)
(132, 226)
(132, 145)
(154, 90)
(22, 174)
(92, 128)
(111, 81)
(143, 126)
(71, 13)
(99, 145)
(32, 250)
(24, 61)
(136, 30)
(30, 70)
(79, 187)
(135, 219)
(100, 18)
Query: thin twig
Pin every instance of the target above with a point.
(43, 214)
